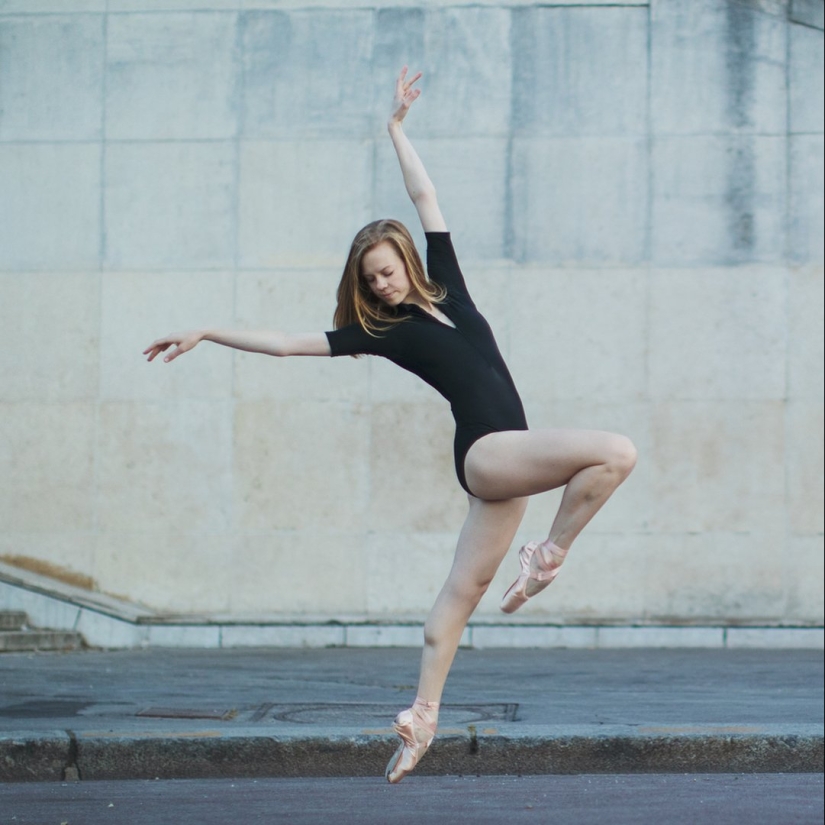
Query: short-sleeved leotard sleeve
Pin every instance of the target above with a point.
(442, 265)
(355, 340)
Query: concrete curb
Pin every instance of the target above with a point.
(62, 755)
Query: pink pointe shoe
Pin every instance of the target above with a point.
(416, 727)
(547, 562)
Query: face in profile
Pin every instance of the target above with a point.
(384, 272)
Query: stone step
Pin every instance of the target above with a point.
(12, 620)
(18, 640)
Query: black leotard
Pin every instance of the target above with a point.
(463, 364)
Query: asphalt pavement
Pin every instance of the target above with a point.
(177, 714)
(637, 799)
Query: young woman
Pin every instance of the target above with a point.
(387, 306)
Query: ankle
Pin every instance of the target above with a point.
(426, 712)
(546, 560)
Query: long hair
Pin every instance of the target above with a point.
(356, 301)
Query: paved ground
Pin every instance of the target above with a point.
(300, 713)
(755, 799)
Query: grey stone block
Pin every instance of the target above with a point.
(471, 178)
(307, 74)
(579, 71)
(807, 211)
(808, 12)
(49, 206)
(399, 39)
(169, 205)
(301, 202)
(716, 66)
(579, 200)
(51, 70)
(467, 86)
(806, 79)
(172, 76)
(718, 199)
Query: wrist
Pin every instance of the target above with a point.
(393, 125)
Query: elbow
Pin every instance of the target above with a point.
(423, 195)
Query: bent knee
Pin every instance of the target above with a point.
(623, 455)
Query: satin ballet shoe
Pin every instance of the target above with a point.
(548, 560)
(416, 727)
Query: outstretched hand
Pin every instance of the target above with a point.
(404, 97)
(183, 341)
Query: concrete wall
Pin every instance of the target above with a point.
(636, 195)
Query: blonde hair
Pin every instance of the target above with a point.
(356, 301)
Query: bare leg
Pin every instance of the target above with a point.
(591, 463)
(484, 541)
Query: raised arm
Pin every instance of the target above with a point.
(419, 186)
(267, 343)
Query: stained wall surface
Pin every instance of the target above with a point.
(636, 195)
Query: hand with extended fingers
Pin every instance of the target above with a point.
(405, 95)
(184, 341)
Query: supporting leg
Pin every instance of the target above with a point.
(482, 544)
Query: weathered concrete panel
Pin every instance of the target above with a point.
(466, 89)
(47, 466)
(806, 237)
(716, 66)
(134, 314)
(169, 205)
(580, 334)
(122, 557)
(307, 74)
(808, 12)
(295, 300)
(806, 78)
(50, 206)
(280, 556)
(806, 336)
(471, 178)
(301, 202)
(165, 465)
(171, 76)
(677, 581)
(803, 565)
(399, 39)
(718, 466)
(805, 424)
(399, 566)
(580, 71)
(51, 70)
(282, 464)
(718, 200)
(718, 333)
(579, 199)
(32, 366)
(67, 549)
(173, 5)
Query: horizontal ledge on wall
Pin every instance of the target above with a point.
(103, 628)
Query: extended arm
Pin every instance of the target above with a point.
(419, 186)
(267, 343)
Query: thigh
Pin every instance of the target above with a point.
(526, 462)
(485, 539)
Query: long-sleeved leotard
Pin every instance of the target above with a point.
(464, 364)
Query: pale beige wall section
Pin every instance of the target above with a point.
(647, 247)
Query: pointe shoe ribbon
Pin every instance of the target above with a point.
(548, 561)
(416, 727)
